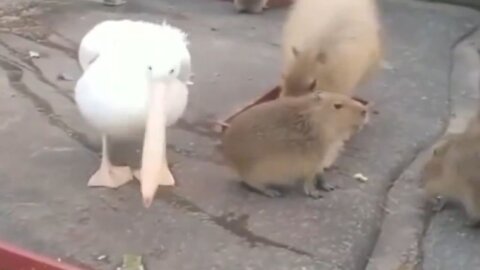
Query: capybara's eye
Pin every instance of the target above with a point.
(338, 106)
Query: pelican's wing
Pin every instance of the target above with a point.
(113, 91)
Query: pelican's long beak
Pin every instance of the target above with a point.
(154, 170)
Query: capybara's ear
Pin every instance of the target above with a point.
(338, 106)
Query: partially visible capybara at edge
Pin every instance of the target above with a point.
(453, 170)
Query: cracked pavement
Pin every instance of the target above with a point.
(210, 221)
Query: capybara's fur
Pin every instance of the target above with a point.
(330, 45)
(292, 138)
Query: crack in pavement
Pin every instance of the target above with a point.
(15, 74)
(396, 174)
(454, 105)
(69, 51)
(423, 149)
(37, 71)
(235, 226)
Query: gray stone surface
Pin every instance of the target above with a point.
(449, 244)
(468, 3)
(209, 221)
(400, 244)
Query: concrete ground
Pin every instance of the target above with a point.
(210, 221)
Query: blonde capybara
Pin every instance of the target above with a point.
(330, 45)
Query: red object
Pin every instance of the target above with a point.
(14, 258)
(269, 96)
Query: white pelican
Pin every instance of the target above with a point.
(109, 33)
(129, 88)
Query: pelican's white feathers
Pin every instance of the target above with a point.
(111, 33)
(112, 93)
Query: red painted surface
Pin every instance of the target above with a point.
(14, 258)
(270, 95)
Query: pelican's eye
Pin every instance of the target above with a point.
(150, 68)
(171, 71)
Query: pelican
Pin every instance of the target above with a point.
(109, 33)
(130, 88)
